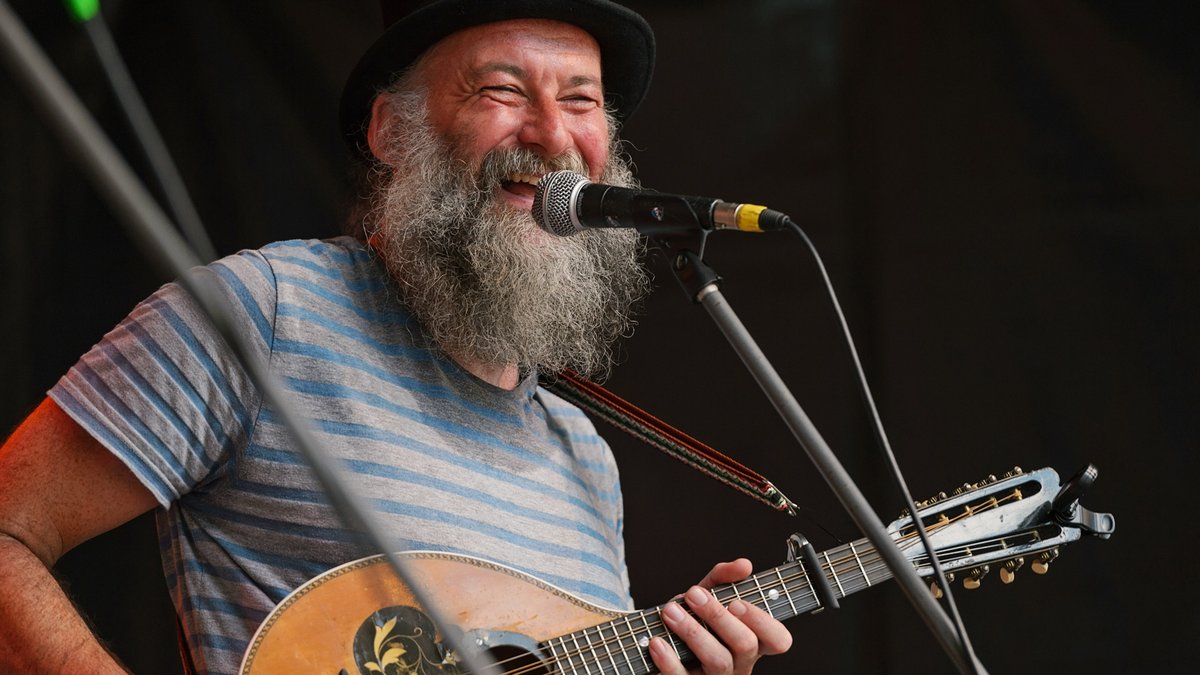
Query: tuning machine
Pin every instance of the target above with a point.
(1041, 564)
(925, 504)
(937, 590)
(975, 577)
(1008, 571)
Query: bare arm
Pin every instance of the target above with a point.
(58, 488)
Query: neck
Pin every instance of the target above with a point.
(504, 376)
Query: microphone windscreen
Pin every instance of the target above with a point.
(552, 202)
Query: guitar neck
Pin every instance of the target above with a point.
(783, 592)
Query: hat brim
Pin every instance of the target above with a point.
(625, 39)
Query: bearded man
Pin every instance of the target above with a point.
(413, 346)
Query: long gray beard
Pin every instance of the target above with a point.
(483, 284)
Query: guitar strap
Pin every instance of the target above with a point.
(642, 425)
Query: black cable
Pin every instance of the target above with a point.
(885, 447)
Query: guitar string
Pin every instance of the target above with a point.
(618, 637)
(870, 563)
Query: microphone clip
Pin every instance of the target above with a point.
(695, 277)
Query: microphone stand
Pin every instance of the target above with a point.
(699, 282)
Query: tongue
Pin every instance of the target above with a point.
(518, 188)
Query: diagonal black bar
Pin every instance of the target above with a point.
(163, 245)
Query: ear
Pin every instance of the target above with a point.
(381, 116)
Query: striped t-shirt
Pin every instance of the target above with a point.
(450, 462)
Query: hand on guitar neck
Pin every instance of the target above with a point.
(740, 634)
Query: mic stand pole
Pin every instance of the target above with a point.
(699, 282)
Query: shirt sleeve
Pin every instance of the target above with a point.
(163, 392)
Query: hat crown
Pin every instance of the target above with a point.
(394, 10)
(412, 26)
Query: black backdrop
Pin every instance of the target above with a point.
(1006, 196)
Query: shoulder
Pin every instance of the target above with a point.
(340, 258)
(557, 406)
(342, 262)
(569, 417)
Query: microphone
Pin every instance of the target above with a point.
(566, 203)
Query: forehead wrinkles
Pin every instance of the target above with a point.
(506, 42)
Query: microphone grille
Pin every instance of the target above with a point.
(552, 202)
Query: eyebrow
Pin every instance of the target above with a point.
(517, 71)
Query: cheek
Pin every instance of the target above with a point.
(473, 135)
(593, 147)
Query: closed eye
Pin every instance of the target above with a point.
(581, 102)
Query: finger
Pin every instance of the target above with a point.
(665, 657)
(773, 636)
(737, 641)
(727, 572)
(712, 655)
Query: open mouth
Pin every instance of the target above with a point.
(521, 184)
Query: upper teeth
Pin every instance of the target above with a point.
(526, 178)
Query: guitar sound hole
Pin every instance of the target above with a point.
(511, 659)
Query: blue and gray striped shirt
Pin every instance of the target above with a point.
(452, 463)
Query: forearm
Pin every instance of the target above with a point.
(40, 630)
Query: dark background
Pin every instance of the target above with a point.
(1006, 195)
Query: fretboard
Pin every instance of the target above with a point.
(620, 646)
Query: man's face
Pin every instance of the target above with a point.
(528, 83)
(488, 110)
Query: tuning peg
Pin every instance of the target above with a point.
(936, 590)
(1008, 571)
(1042, 564)
(975, 577)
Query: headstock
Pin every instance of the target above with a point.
(1003, 522)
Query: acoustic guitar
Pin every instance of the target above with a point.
(359, 619)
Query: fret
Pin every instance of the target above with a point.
(624, 649)
(833, 571)
(671, 639)
(787, 593)
(766, 602)
(638, 643)
(558, 660)
(579, 650)
(736, 593)
(593, 651)
(608, 651)
(666, 633)
(812, 588)
(860, 565)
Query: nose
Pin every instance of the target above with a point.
(545, 128)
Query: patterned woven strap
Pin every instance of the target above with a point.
(644, 426)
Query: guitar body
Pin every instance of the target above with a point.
(315, 629)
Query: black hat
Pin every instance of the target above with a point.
(625, 39)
